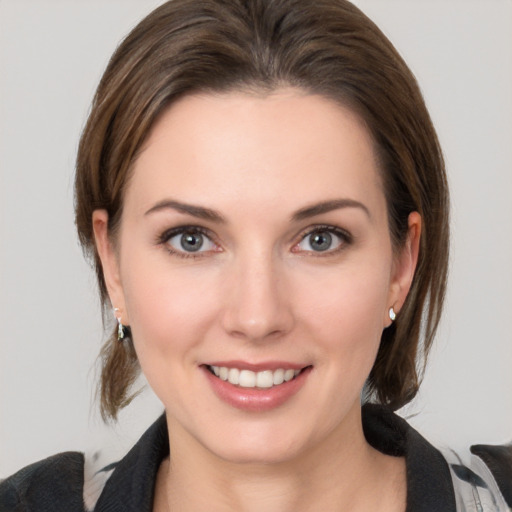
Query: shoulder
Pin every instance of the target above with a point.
(438, 478)
(55, 483)
(498, 460)
(485, 480)
(74, 482)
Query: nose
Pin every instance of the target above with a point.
(258, 306)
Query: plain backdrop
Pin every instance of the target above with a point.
(52, 54)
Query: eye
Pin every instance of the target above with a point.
(323, 239)
(187, 241)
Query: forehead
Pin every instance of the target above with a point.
(275, 148)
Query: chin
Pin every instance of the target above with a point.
(260, 443)
(258, 454)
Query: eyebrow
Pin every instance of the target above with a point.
(328, 206)
(212, 215)
(196, 211)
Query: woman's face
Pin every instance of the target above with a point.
(254, 247)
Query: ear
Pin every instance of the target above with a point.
(404, 266)
(110, 263)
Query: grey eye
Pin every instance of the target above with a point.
(191, 242)
(320, 241)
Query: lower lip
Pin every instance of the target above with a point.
(256, 399)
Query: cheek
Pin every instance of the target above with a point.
(169, 312)
(343, 309)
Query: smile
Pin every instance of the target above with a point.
(248, 379)
(256, 387)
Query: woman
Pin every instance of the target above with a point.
(263, 194)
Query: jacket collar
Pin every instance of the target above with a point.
(429, 482)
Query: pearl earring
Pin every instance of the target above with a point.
(392, 314)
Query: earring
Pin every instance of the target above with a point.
(120, 327)
(392, 314)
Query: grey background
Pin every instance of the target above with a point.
(52, 54)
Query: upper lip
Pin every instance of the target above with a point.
(258, 367)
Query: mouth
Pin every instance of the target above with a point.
(256, 387)
(263, 379)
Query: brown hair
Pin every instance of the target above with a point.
(327, 47)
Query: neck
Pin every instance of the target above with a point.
(342, 473)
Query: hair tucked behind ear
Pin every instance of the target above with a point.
(327, 47)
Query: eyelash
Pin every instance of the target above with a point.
(345, 237)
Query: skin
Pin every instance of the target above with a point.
(258, 291)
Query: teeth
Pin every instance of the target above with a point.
(247, 379)
(288, 375)
(264, 379)
(278, 377)
(234, 375)
(250, 379)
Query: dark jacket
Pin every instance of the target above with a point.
(436, 482)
